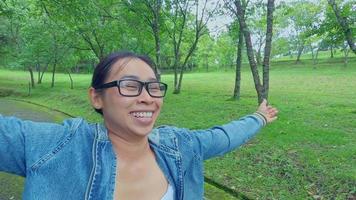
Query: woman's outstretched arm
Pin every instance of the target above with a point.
(222, 139)
(23, 142)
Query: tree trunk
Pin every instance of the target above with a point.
(178, 87)
(43, 71)
(191, 50)
(198, 28)
(344, 25)
(53, 73)
(156, 33)
(300, 51)
(31, 76)
(317, 54)
(331, 51)
(158, 56)
(262, 90)
(71, 80)
(346, 53)
(268, 48)
(250, 55)
(38, 67)
(175, 76)
(176, 59)
(206, 62)
(240, 45)
(176, 47)
(315, 57)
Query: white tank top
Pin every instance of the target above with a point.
(169, 193)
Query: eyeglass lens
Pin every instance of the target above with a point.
(134, 88)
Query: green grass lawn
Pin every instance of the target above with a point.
(308, 153)
(322, 56)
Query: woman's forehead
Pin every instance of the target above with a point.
(131, 67)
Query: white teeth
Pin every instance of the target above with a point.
(142, 114)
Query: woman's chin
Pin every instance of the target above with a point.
(142, 130)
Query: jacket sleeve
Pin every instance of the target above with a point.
(222, 139)
(22, 142)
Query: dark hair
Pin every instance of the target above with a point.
(103, 69)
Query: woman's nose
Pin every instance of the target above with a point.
(145, 97)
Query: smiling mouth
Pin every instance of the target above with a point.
(142, 114)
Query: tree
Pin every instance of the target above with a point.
(91, 24)
(237, 88)
(315, 42)
(206, 53)
(300, 18)
(344, 25)
(178, 30)
(224, 51)
(261, 89)
(257, 24)
(281, 47)
(238, 29)
(267, 50)
(23, 42)
(330, 32)
(37, 45)
(150, 11)
(4, 40)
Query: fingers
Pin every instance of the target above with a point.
(269, 111)
(272, 112)
(272, 119)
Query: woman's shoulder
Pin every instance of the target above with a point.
(171, 136)
(176, 141)
(78, 124)
(167, 131)
(43, 131)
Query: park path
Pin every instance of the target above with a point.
(29, 111)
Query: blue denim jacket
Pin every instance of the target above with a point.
(75, 159)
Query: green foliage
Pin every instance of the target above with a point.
(206, 53)
(216, 54)
(225, 52)
(301, 19)
(68, 33)
(281, 47)
(42, 34)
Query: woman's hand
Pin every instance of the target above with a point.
(267, 111)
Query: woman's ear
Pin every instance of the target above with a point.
(95, 98)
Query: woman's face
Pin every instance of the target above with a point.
(132, 117)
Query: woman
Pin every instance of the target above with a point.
(124, 158)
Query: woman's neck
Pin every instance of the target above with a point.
(129, 150)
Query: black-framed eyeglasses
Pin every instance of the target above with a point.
(133, 88)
